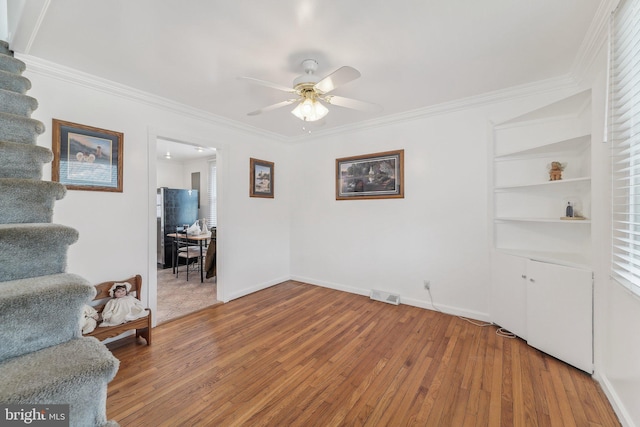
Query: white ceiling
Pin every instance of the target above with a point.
(181, 152)
(412, 54)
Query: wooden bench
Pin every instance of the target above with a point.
(142, 325)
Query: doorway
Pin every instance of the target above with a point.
(179, 165)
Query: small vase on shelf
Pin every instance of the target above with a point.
(569, 210)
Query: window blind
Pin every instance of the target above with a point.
(212, 221)
(624, 135)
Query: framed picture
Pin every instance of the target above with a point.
(370, 176)
(86, 158)
(261, 178)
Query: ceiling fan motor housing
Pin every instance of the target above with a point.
(310, 66)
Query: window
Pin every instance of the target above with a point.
(624, 135)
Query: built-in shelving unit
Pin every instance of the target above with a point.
(528, 207)
(539, 253)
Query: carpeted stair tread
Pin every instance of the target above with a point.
(27, 200)
(24, 130)
(41, 312)
(23, 160)
(17, 103)
(75, 373)
(32, 250)
(12, 65)
(14, 82)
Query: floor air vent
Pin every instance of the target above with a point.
(385, 297)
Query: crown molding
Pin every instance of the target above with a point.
(43, 67)
(46, 68)
(550, 85)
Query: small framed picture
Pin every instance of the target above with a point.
(261, 178)
(370, 176)
(86, 158)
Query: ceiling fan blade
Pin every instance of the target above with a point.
(337, 78)
(269, 84)
(272, 107)
(352, 103)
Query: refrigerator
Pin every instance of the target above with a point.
(175, 208)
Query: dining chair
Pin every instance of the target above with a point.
(187, 251)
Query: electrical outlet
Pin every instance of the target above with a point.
(427, 284)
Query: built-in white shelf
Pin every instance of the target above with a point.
(545, 184)
(556, 220)
(576, 144)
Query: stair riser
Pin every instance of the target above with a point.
(28, 201)
(16, 103)
(23, 161)
(32, 250)
(22, 130)
(58, 302)
(14, 82)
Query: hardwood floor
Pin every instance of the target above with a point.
(301, 355)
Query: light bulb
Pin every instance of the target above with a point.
(310, 110)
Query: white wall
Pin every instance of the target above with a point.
(437, 232)
(171, 174)
(117, 230)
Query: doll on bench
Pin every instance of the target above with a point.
(123, 307)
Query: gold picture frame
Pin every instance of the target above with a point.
(86, 157)
(261, 178)
(370, 176)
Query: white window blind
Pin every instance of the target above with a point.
(624, 135)
(212, 221)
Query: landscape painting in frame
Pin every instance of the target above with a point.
(261, 178)
(87, 158)
(370, 176)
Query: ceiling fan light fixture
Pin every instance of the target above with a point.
(310, 110)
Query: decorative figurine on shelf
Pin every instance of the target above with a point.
(555, 170)
(569, 210)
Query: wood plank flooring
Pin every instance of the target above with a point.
(301, 355)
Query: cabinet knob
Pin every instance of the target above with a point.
(524, 276)
(532, 281)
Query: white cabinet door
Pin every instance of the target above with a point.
(508, 293)
(560, 312)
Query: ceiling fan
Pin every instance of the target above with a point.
(311, 92)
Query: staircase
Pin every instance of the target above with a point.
(43, 357)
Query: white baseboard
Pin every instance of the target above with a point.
(623, 415)
(456, 311)
(256, 288)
